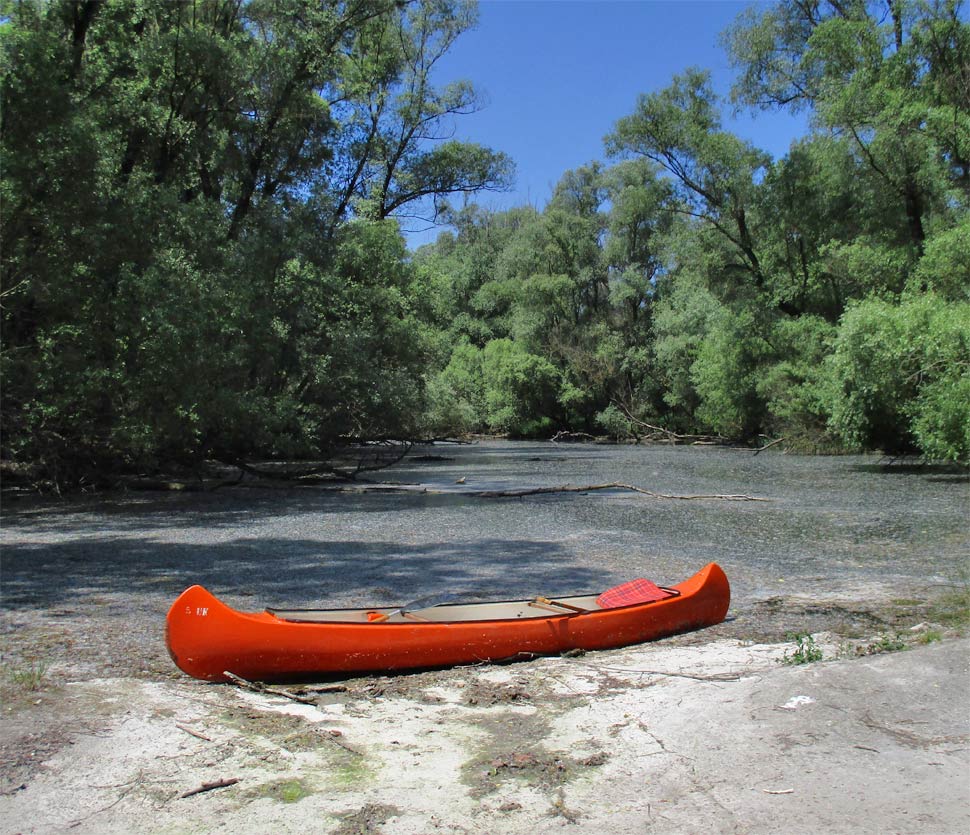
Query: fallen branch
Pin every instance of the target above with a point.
(334, 737)
(208, 787)
(613, 485)
(258, 687)
(326, 688)
(768, 446)
(669, 434)
(571, 437)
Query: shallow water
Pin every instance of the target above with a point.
(833, 525)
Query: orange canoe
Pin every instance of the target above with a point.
(207, 638)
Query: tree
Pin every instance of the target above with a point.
(889, 76)
(714, 173)
(199, 251)
(899, 376)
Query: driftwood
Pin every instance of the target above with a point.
(768, 445)
(208, 787)
(518, 493)
(258, 687)
(670, 436)
(380, 454)
(613, 485)
(716, 677)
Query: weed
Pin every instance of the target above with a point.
(930, 636)
(30, 677)
(805, 650)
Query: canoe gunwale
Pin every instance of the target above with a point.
(280, 614)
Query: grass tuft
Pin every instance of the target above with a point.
(29, 677)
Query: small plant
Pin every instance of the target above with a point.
(29, 677)
(930, 636)
(805, 652)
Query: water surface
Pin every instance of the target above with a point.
(832, 525)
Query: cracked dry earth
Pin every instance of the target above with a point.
(670, 737)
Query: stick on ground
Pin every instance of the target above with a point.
(257, 687)
(208, 787)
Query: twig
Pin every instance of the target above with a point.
(778, 791)
(334, 737)
(715, 677)
(208, 787)
(327, 688)
(128, 787)
(258, 687)
(190, 732)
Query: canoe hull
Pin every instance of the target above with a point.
(206, 638)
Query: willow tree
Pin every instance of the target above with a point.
(199, 242)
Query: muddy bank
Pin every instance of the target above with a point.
(717, 737)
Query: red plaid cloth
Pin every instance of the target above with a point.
(627, 594)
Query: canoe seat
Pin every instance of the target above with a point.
(631, 593)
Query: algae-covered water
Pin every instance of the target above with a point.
(831, 525)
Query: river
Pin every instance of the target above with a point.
(831, 526)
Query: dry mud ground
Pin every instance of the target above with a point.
(687, 735)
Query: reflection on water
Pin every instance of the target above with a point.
(832, 523)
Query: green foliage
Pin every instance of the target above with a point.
(793, 386)
(899, 377)
(457, 394)
(520, 389)
(944, 268)
(616, 424)
(725, 376)
(887, 643)
(930, 636)
(199, 251)
(29, 677)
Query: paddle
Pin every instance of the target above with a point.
(427, 602)
(545, 601)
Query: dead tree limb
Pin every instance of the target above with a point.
(571, 437)
(768, 446)
(613, 485)
(670, 435)
(382, 454)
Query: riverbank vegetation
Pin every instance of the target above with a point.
(202, 255)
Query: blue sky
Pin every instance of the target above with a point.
(557, 74)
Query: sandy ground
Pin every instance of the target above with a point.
(671, 737)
